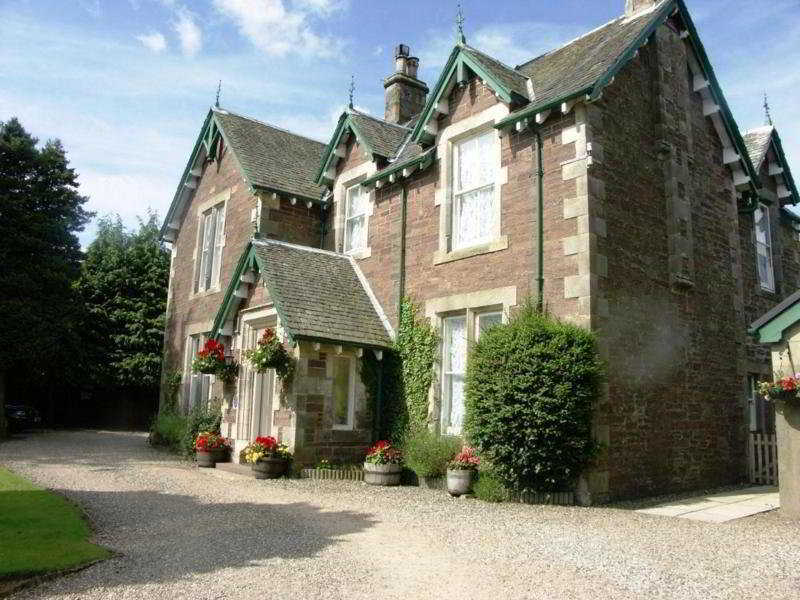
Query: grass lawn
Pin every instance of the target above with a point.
(40, 531)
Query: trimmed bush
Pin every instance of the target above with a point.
(427, 453)
(167, 430)
(489, 488)
(529, 390)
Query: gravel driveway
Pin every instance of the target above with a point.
(185, 533)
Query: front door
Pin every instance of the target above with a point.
(262, 392)
(256, 390)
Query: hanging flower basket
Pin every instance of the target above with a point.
(785, 390)
(210, 359)
(228, 372)
(271, 354)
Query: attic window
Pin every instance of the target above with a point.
(763, 239)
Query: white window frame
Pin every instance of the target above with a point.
(364, 216)
(764, 248)
(208, 254)
(351, 394)
(458, 194)
(198, 385)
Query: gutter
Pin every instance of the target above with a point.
(539, 221)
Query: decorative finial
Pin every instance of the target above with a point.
(460, 26)
(352, 89)
(219, 89)
(767, 113)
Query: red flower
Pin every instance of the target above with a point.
(788, 384)
(269, 442)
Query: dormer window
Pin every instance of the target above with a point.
(355, 229)
(763, 239)
(474, 213)
(211, 239)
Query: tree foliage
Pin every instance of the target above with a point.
(530, 386)
(41, 212)
(123, 288)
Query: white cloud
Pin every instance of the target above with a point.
(154, 41)
(277, 30)
(378, 51)
(320, 7)
(189, 33)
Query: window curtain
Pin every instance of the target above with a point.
(474, 213)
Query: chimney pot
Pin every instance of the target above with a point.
(405, 94)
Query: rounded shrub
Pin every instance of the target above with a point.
(530, 386)
(489, 488)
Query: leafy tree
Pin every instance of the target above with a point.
(123, 287)
(40, 213)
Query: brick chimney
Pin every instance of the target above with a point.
(634, 6)
(405, 94)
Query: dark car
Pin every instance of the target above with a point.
(22, 416)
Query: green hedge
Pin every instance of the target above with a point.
(167, 430)
(530, 386)
(178, 432)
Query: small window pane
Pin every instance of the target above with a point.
(454, 367)
(763, 242)
(475, 215)
(341, 392)
(475, 162)
(487, 320)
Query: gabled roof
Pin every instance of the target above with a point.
(512, 80)
(268, 157)
(272, 158)
(770, 327)
(376, 136)
(758, 142)
(576, 67)
(318, 295)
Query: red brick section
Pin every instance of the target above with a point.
(297, 224)
(676, 382)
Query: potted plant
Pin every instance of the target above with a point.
(228, 372)
(210, 359)
(268, 458)
(210, 448)
(270, 353)
(786, 390)
(382, 466)
(461, 471)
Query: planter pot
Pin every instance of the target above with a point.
(382, 474)
(432, 483)
(459, 481)
(211, 458)
(270, 468)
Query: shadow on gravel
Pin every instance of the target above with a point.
(169, 537)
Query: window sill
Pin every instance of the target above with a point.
(501, 243)
(360, 254)
(208, 292)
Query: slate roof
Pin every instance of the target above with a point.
(319, 294)
(511, 79)
(383, 137)
(271, 157)
(577, 65)
(757, 143)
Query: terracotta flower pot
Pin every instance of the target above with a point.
(270, 468)
(459, 481)
(210, 458)
(382, 474)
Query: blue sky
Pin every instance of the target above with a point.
(125, 84)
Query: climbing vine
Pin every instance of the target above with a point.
(407, 375)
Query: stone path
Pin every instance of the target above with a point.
(181, 532)
(719, 508)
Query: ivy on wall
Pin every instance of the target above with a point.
(407, 375)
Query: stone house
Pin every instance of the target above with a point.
(607, 180)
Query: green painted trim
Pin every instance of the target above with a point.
(264, 188)
(334, 342)
(245, 260)
(787, 172)
(728, 120)
(174, 204)
(531, 110)
(344, 122)
(423, 159)
(459, 58)
(771, 332)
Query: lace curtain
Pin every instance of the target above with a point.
(473, 215)
(454, 369)
(355, 232)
